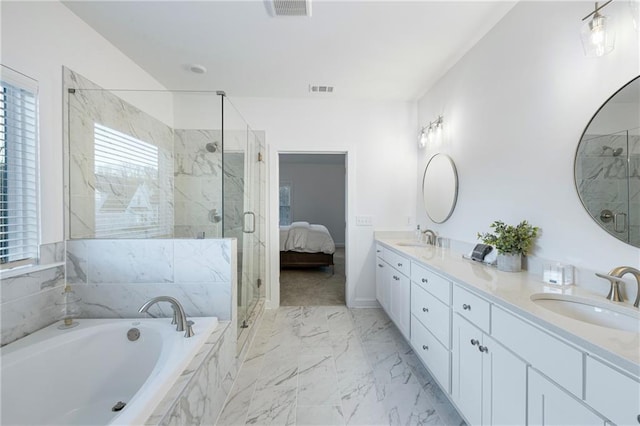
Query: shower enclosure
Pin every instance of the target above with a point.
(166, 164)
(608, 180)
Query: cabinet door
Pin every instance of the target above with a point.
(504, 383)
(400, 301)
(467, 370)
(550, 405)
(382, 283)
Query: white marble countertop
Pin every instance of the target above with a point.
(513, 291)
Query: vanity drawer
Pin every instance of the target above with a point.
(546, 353)
(435, 356)
(439, 286)
(472, 307)
(619, 400)
(432, 313)
(398, 262)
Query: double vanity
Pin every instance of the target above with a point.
(507, 348)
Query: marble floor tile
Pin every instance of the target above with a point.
(329, 365)
(319, 415)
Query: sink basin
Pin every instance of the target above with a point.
(413, 244)
(604, 314)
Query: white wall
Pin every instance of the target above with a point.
(379, 139)
(515, 107)
(38, 38)
(317, 195)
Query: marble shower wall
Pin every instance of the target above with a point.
(604, 183)
(198, 183)
(113, 278)
(30, 296)
(127, 193)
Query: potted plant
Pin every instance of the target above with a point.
(512, 242)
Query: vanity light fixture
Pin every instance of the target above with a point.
(429, 131)
(598, 36)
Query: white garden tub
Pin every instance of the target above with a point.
(76, 376)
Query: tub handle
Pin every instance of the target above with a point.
(189, 329)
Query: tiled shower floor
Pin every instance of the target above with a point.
(329, 365)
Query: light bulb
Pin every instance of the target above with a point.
(423, 139)
(598, 38)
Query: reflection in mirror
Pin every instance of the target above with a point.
(607, 165)
(440, 187)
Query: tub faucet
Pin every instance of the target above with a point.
(179, 317)
(430, 236)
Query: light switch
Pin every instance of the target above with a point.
(364, 221)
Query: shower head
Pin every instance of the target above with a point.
(615, 152)
(211, 146)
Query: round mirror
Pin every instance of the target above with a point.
(440, 187)
(607, 165)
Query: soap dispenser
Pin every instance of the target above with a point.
(418, 234)
(69, 308)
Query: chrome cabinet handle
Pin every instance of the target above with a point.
(483, 349)
(400, 264)
(424, 280)
(380, 265)
(425, 347)
(396, 278)
(466, 307)
(425, 309)
(474, 342)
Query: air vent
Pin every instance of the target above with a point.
(320, 89)
(290, 7)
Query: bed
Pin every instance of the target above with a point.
(305, 245)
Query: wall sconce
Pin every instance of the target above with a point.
(430, 131)
(598, 37)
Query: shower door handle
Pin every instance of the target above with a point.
(617, 221)
(245, 229)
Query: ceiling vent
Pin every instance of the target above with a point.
(289, 7)
(320, 89)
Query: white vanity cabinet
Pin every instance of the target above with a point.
(497, 360)
(393, 288)
(382, 279)
(551, 405)
(489, 382)
(431, 322)
(619, 401)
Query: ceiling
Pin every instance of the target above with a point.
(365, 49)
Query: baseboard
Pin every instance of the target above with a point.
(365, 303)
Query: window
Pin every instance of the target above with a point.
(285, 204)
(18, 169)
(127, 201)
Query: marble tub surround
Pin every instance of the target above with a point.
(199, 394)
(513, 290)
(114, 278)
(28, 295)
(330, 365)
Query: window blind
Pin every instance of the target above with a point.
(19, 232)
(127, 188)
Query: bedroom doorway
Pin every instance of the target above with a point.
(312, 220)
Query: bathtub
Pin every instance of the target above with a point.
(76, 376)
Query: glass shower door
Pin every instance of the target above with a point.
(241, 189)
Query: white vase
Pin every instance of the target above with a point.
(510, 262)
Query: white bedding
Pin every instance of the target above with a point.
(306, 238)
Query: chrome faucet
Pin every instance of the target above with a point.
(614, 277)
(179, 317)
(430, 236)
